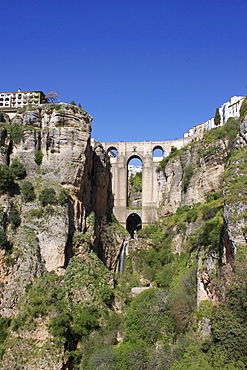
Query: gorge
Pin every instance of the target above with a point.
(64, 304)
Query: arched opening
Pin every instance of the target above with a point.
(112, 152)
(133, 223)
(134, 185)
(158, 151)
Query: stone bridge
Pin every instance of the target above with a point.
(121, 154)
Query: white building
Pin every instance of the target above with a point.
(132, 169)
(19, 99)
(230, 109)
(227, 110)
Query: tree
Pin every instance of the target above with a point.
(38, 157)
(18, 169)
(217, 117)
(27, 191)
(6, 178)
(4, 244)
(47, 196)
(14, 217)
(52, 96)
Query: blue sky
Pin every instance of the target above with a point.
(145, 70)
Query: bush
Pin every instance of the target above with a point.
(213, 196)
(63, 197)
(191, 215)
(18, 169)
(27, 191)
(4, 324)
(211, 232)
(38, 157)
(4, 244)
(14, 217)
(85, 321)
(6, 178)
(60, 325)
(147, 315)
(107, 296)
(188, 173)
(16, 133)
(47, 196)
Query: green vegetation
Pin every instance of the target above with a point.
(227, 132)
(38, 157)
(16, 133)
(6, 178)
(47, 196)
(27, 191)
(63, 197)
(187, 175)
(243, 109)
(4, 244)
(14, 216)
(217, 117)
(18, 169)
(88, 309)
(4, 325)
(135, 181)
(173, 153)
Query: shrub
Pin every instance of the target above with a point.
(107, 296)
(191, 215)
(4, 324)
(14, 217)
(85, 321)
(47, 196)
(182, 209)
(6, 178)
(213, 196)
(16, 133)
(4, 244)
(188, 173)
(27, 191)
(18, 169)
(147, 315)
(38, 157)
(63, 197)
(211, 232)
(60, 325)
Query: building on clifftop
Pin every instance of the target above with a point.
(226, 110)
(19, 99)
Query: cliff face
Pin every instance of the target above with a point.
(66, 305)
(191, 179)
(57, 137)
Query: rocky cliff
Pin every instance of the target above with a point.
(62, 307)
(52, 142)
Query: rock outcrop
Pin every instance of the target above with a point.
(60, 134)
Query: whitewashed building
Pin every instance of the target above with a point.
(226, 110)
(19, 99)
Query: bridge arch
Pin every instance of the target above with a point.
(112, 151)
(125, 151)
(157, 149)
(134, 156)
(133, 223)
